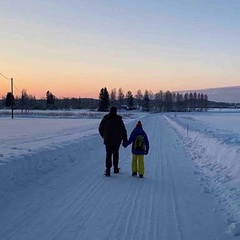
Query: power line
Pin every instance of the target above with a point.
(4, 76)
(10, 79)
(16, 88)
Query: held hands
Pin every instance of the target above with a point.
(125, 144)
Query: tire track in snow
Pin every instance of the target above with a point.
(73, 210)
(158, 186)
(165, 208)
(173, 199)
(124, 218)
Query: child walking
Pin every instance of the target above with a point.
(140, 146)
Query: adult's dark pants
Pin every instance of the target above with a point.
(112, 153)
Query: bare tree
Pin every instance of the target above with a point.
(24, 100)
(129, 98)
(120, 96)
(146, 100)
(113, 96)
(139, 97)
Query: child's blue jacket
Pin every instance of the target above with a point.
(138, 131)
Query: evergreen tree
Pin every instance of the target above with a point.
(50, 98)
(103, 100)
(10, 101)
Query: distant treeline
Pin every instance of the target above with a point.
(31, 103)
(159, 102)
(147, 101)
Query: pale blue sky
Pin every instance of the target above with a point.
(167, 45)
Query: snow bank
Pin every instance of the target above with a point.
(218, 163)
(24, 169)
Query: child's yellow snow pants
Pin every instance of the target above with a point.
(138, 163)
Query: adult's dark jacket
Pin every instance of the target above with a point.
(112, 130)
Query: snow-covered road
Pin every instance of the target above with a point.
(75, 201)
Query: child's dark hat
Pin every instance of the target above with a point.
(139, 124)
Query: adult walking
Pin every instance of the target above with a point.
(113, 132)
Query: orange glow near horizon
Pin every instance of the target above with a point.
(88, 86)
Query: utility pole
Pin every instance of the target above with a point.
(12, 94)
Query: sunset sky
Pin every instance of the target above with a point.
(73, 48)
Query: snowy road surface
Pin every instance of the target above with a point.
(74, 201)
